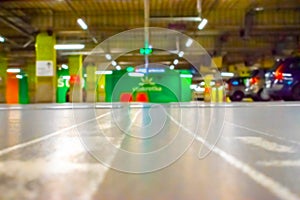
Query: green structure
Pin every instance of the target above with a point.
(160, 85)
(23, 88)
(63, 85)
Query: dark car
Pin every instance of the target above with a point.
(283, 81)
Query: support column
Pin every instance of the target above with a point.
(75, 68)
(91, 83)
(30, 70)
(3, 75)
(45, 68)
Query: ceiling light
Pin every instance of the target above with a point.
(172, 67)
(189, 42)
(114, 63)
(13, 70)
(64, 66)
(108, 56)
(2, 39)
(202, 24)
(19, 76)
(118, 67)
(68, 46)
(180, 54)
(259, 8)
(175, 62)
(186, 75)
(82, 24)
(104, 72)
(227, 74)
(135, 74)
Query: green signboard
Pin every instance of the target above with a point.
(63, 78)
(158, 86)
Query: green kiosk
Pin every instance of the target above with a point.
(157, 85)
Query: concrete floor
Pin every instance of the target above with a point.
(150, 151)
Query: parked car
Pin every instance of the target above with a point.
(283, 81)
(257, 82)
(237, 88)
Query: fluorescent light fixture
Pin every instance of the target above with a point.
(2, 39)
(175, 62)
(189, 42)
(193, 86)
(82, 24)
(227, 74)
(64, 66)
(259, 8)
(186, 75)
(150, 46)
(68, 46)
(150, 70)
(66, 77)
(19, 76)
(118, 67)
(104, 72)
(95, 40)
(13, 70)
(135, 74)
(114, 63)
(108, 56)
(180, 54)
(172, 67)
(202, 24)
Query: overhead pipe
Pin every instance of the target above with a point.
(193, 19)
(12, 25)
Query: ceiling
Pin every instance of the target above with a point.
(239, 30)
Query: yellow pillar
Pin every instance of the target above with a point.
(3, 74)
(101, 88)
(45, 68)
(75, 68)
(91, 83)
(30, 70)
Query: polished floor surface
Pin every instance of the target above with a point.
(240, 151)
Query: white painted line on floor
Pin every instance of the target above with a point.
(265, 144)
(279, 163)
(273, 186)
(263, 133)
(37, 140)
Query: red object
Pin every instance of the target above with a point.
(254, 80)
(12, 89)
(278, 73)
(126, 97)
(206, 90)
(74, 79)
(142, 97)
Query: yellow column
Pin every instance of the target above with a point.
(3, 73)
(30, 70)
(45, 68)
(91, 83)
(75, 68)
